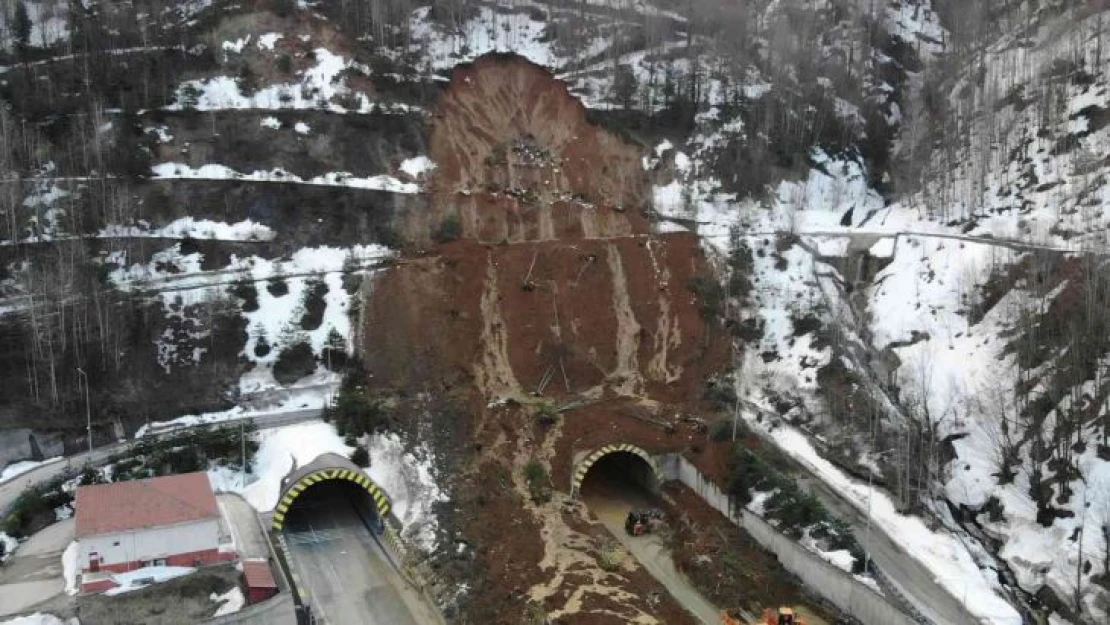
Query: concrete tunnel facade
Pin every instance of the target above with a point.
(325, 467)
(585, 461)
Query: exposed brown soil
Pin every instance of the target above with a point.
(517, 160)
(558, 295)
(728, 565)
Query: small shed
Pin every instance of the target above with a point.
(259, 579)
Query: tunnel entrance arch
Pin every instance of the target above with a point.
(325, 468)
(650, 476)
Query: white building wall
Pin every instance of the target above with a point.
(150, 543)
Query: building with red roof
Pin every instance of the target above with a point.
(162, 521)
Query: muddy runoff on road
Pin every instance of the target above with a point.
(622, 483)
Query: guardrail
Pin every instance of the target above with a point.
(262, 421)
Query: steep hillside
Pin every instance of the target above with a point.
(884, 223)
(555, 319)
(945, 333)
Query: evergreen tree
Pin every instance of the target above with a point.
(334, 354)
(21, 30)
(360, 456)
(262, 345)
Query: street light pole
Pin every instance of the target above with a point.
(870, 493)
(243, 457)
(867, 540)
(88, 409)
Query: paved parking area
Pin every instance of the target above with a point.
(33, 574)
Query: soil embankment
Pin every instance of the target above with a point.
(559, 321)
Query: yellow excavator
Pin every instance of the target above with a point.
(782, 616)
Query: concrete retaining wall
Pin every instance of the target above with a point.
(832, 583)
(26, 444)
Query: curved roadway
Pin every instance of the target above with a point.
(11, 489)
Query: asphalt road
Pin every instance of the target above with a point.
(33, 574)
(341, 570)
(610, 499)
(11, 489)
(913, 580)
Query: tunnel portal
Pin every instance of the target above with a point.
(620, 462)
(622, 468)
(326, 477)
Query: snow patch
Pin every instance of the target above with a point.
(38, 618)
(409, 479)
(188, 421)
(161, 133)
(9, 544)
(225, 479)
(190, 228)
(15, 469)
(69, 567)
(417, 166)
(883, 248)
(237, 45)
(232, 601)
(301, 128)
(487, 31)
(174, 171)
(267, 41)
(322, 87)
(141, 578)
(49, 25)
(63, 512)
(280, 450)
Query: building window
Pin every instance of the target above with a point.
(115, 544)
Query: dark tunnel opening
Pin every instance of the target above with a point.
(621, 470)
(330, 501)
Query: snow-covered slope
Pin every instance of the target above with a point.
(969, 307)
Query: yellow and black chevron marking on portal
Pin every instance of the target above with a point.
(381, 501)
(583, 467)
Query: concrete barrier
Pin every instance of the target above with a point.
(837, 586)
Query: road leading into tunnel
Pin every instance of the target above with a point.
(610, 500)
(342, 570)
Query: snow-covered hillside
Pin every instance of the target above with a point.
(925, 301)
(914, 193)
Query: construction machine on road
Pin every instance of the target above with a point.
(782, 616)
(640, 522)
